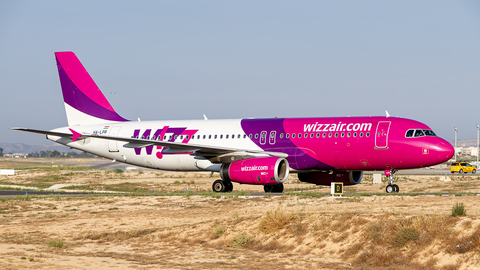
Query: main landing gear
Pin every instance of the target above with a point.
(391, 187)
(273, 188)
(222, 186)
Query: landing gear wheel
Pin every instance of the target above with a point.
(390, 189)
(474, 171)
(268, 188)
(278, 188)
(219, 186)
(228, 186)
(461, 171)
(396, 188)
(273, 188)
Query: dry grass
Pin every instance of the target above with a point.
(275, 221)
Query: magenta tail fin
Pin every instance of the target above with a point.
(84, 102)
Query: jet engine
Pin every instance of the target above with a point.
(327, 177)
(256, 171)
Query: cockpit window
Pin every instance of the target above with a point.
(419, 133)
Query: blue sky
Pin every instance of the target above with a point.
(181, 59)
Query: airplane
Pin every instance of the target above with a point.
(255, 151)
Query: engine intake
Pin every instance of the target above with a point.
(256, 171)
(325, 178)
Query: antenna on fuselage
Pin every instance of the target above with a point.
(386, 112)
(205, 117)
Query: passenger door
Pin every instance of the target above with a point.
(381, 135)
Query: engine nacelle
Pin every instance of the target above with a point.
(326, 178)
(256, 171)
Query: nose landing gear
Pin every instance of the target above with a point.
(391, 187)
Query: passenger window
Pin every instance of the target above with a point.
(170, 137)
(221, 136)
(215, 136)
(354, 134)
(299, 135)
(419, 133)
(209, 137)
(250, 136)
(176, 136)
(342, 135)
(329, 135)
(181, 137)
(311, 135)
(293, 135)
(288, 135)
(186, 137)
(153, 137)
(361, 134)
(368, 134)
(349, 134)
(318, 135)
(281, 135)
(336, 134)
(409, 133)
(324, 135)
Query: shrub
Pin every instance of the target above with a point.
(55, 243)
(459, 210)
(403, 236)
(275, 221)
(219, 230)
(241, 241)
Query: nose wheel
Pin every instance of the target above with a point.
(391, 187)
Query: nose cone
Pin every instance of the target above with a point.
(444, 151)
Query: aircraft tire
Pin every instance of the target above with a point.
(219, 186)
(396, 188)
(268, 188)
(278, 188)
(389, 189)
(228, 186)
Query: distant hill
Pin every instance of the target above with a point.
(465, 143)
(27, 148)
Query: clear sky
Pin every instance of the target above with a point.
(235, 59)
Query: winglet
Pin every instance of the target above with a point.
(76, 135)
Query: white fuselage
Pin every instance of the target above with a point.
(218, 133)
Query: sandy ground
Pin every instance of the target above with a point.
(202, 232)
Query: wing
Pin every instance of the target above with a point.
(220, 154)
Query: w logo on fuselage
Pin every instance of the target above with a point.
(167, 134)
